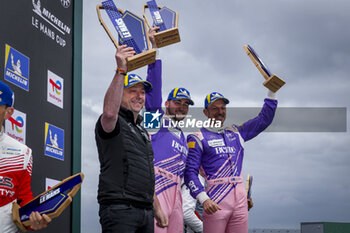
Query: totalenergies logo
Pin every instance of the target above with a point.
(17, 123)
(56, 86)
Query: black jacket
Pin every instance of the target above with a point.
(126, 163)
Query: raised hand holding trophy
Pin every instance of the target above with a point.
(167, 21)
(51, 202)
(131, 31)
(273, 82)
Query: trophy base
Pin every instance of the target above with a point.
(16, 219)
(274, 83)
(167, 37)
(141, 59)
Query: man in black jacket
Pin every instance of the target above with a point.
(126, 182)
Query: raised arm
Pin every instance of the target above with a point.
(253, 127)
(154, 97)
(154, 76)
(114, 94)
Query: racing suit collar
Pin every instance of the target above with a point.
(171, 126)
(215, 129)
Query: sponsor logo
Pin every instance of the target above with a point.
(10, 151)
(152, 120)
(180, 148)
(6, 182)
(16, 68)
(47, 196)
(225, 150)
(216, 142)
(65, 3)
(49, 24)
(54, 141)
(192, 185)
(7, 193)
(157, 17)
(231, 136)
(17, 123)
(125, 34)
(15, 126)
(24, 216)
(218, 181)
(54, 89)
(49, 183)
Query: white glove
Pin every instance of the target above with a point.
(271, 95)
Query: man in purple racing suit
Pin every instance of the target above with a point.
(169, 146)
(219, 152)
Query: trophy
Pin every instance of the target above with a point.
(167, 20)
(131, 32)
(249, 191)
(51, 202)
(273, 82)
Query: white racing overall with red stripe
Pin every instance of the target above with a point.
(15, 179)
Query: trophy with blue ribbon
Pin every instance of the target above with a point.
(51, 202)
(273, 82)
(167, 21)
(131, 32)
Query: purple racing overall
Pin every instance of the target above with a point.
(219, 152)
(170, 153)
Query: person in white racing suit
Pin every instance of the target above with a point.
(15, 171)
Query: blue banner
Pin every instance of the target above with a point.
(157, 18)
(119, 24)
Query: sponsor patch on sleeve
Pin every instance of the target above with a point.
(191, 145)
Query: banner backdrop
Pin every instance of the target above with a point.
(37, 62)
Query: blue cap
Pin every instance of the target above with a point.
(209, 99)
(180, 93)
(6, 95)
(133, 79)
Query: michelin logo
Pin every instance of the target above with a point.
(54, 141)
(50, 25)
(16, 68)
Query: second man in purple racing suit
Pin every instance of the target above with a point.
(219, 152)
(169, 146)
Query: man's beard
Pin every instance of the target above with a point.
(176, 116)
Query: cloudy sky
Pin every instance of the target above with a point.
(298, 177)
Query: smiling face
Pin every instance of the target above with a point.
(177, 109)
(216, 111)
(134, 98)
